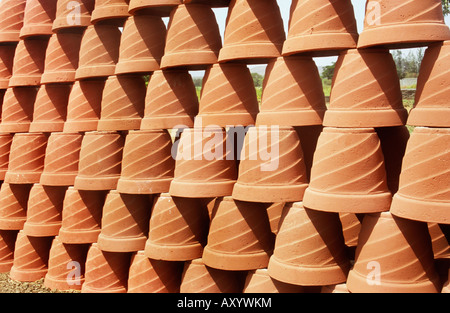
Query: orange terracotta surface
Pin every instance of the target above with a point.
(274, 212)
(5, 147)
(309, 248)
(38, 18)
(292, 93)
(7, 245)
(403, 24)
(17, 109)
(7, 53)
(70, 15)
(13, 205)
(321, 28)
(109, 10)
(259, 281)
(340, 288)
(309, 136)
(12, 12)
(441, 247)
(178, 229)
(154, 7)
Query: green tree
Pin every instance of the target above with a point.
(257, 79)
(328, 71)
(198, 81)
(446, 6)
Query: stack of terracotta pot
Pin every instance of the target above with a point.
(114, 184)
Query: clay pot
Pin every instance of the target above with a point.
(84, 106)
(61, 159)
(200, 172)
(321, 28)
(71, 15)
(99, 51)
(240, 237)
(5, 148)
(154, 7)
(228, 96)
(423, 194)
(29, 62)
(309, 248)
(153, 276)
(274, 212)
(6, 64)
(292, 93)
(110, 10)
(105, 272)
(199, 278)
(81, 216)
(13, 205)
(171, 100)
(61, 60)
(393, 143)
(147, 163)
(348, 173)
(44, 213)
(259, 281)
(178, 229)
(50, 108)
(31, 256)
(123, 103)
(12, 12)
(193, 38)
(66, 266)
(393, 255)
(403, 24)
(254, 32)
(430, 108)
(125, 222)
(142, 44)
(26, 159)
(100, 161)
(351, 226)
(441, 247)
(365, 91)
(17, 109)
(278, 177)
(38, 18)
(7, 244)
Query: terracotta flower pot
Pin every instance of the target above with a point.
(240, 237)
(105, 272)
(348, 173)
(365, 91)
(228, 96)
(430, 107)
(199, 278)
(123, 103)
(393, 143)
(292, 93)
(61, 58)
(71, 15)
(193, 38)
(200, 172)
(178, 229)
(99, 51)
(30, 258)
(12, 12)
(321, 28)
(171, 100)
(50, 108)
(17, 109)
(259, 281)
(7, 53)
(66, 266)
(309, 248)
(153, 276)
(7, 244)
(38, 18)
(100, 161)
(393, 255)
(403, 24)
(44, 213)
(81, 216)
(13, 206)
(5, 148)
(155, 7)
(61, 159)
(147, 163)
(142, 44)
(423, 194)
(125, 222)
(29, 62)
(84, 106)
(26, 159)
(110, 10)
(278, 177)
(254, 32)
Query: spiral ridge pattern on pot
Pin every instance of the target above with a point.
(13, 201)
(6, 64)
(39, 12)
(27, 153)
(85, 104)
(29, 58)
(18, 106)
(62, 153)
(12, 12)
(82, 210)
(7, 241)
(51, 103)
(62, 53)
(5, 146)
(31, 253)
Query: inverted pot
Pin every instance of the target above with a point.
(38, 18)
(14, 202)
(17, 109)
(12, 12)
(6, 64)
(70, 15)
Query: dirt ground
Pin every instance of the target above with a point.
(7, 285)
